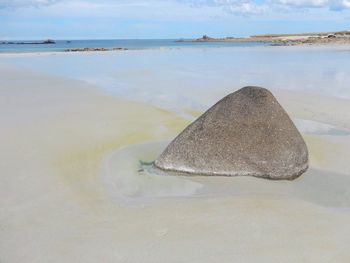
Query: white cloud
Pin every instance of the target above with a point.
(334, 5)
(236, 7)
(128, 10)
(240, 7)
(24, 3)
(340, 5)
(231, 6)
(246, 7)
(303, 3)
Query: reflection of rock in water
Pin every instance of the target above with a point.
(245, 133)
(129, 186)
(127, 180)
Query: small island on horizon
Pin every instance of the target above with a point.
(44, 42)
(315, 38)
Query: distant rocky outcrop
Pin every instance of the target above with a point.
(48, 41)
(247, 133)
(205, 38)
(320, 38)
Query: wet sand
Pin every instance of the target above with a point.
(72, 187)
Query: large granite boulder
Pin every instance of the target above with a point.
(245, 133)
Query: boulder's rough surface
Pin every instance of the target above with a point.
(245, 133)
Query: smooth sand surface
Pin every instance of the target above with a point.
(71, 189)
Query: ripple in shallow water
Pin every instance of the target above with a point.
(319, 128)
(125, 181)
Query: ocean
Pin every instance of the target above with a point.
(135, 44)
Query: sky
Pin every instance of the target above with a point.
(159, 19)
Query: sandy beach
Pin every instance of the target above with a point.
(74, 137)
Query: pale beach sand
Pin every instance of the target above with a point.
(71, 189)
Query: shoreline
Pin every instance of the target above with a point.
(304, 39)
(323, 38)
(171, 49)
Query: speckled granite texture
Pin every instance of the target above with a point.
(246, 133)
